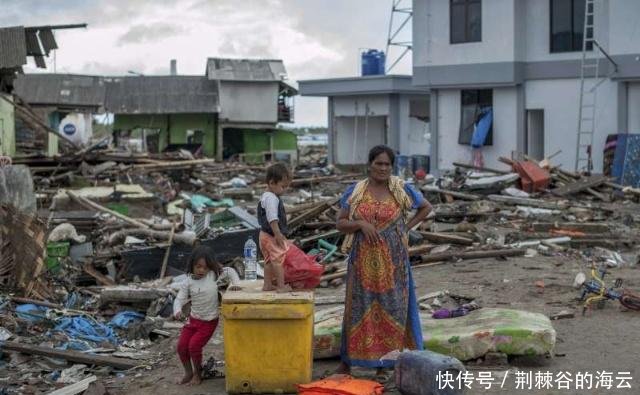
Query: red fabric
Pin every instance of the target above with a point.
(341, 385)
(194, 336)
(301, 270)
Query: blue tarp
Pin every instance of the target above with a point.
(482, 128)
(123, 319)
(86, 329)
(626, 162)
(31, 312)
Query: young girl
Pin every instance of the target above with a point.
(201, 288)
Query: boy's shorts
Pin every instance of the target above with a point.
(270, 249)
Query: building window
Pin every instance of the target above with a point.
(465, 21)
(567, 25)
(475, 103)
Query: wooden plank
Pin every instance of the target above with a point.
(88, 203)
(579, 186)
(446, 238)
(446, 256)
(478, 168)
(312, 213)
(421, 249)
(75, 388)
(517, 201)
(455, 194)
(308, 240)
(72, 356)
(100, 278)
(586, 227)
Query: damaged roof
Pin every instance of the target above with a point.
(61, 89)
(224, 69)
(18, 42)
(13, 47)
(161, 95)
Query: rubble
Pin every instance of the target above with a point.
(114, 230)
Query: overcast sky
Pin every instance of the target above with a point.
(315, 38)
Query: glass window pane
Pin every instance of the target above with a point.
(561, 26)
(475, 22)
(457, 23)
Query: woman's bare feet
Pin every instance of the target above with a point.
(187, 378)
(196, 380)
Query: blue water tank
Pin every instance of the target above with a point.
(373, 62)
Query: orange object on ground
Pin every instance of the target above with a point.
(533, 178)
(340, 384)
(566, 232)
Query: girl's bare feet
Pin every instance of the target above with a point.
(187, 378)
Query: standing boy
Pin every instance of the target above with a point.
(273, 228)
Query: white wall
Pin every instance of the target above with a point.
(432, 20)
(537, 37)
(624, 27)
(559, 100)
(346, 135)
(357, 105)
(249, 101)
(504, 128)
(633, 109)
(414, 133)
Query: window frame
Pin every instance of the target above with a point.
(467, 30)
(478, 104)
(571, 38)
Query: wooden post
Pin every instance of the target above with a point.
(219, 141)
(165, 260)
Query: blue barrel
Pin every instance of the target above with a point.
(373, 62)
(417, 373)
(403, 166)
(421, 162)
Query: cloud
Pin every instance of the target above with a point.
(145, 33)
(315, 38)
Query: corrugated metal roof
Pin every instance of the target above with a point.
(61, 89)
(13, 47)
(245, 69)
(161, 95)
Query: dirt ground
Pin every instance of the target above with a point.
(604, 340)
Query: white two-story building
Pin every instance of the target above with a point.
(522, 58)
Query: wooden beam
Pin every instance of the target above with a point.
(72, 356)
(165, 260)
(485, 169)
(446, 256)
(446, 238)
(579, 186)
(313, 213)
(455, 194)
(92, 205)
(517, 201)
(100, 278)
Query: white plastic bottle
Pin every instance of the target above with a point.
(250, 260)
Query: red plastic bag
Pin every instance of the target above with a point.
(301, 270)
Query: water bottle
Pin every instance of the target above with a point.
(250, 260)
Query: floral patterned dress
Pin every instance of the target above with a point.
(381, 310)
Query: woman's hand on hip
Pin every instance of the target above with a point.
(370, 232)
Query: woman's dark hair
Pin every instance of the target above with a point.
(277, 172)
(382, 149)
(206, 253)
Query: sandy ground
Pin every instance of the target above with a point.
(604, 340)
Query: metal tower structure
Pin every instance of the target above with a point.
(401, 15)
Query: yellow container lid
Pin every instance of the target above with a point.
(251, 293)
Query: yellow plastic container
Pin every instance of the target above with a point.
(268, 340)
